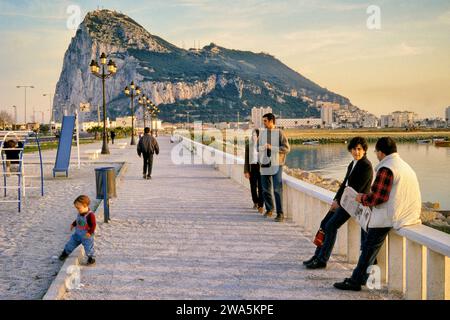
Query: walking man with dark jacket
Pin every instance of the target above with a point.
(147, 146)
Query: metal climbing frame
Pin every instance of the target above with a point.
(21, 138)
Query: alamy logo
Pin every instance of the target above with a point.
(374, 19)
(74, 20)
(213, 146)
(374, 280)
(74, 280)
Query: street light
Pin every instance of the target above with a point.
(143, 101)
(95, 70)
(131, 92)
(25, 107)
(51, 105)
(154, 115)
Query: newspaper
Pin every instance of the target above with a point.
(356, 210)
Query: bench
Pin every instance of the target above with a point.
(93, 153)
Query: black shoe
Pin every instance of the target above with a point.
(145, 176)
(348, 284)
(149, 177)
(279, 218)
(63, 256)
(316, 264)
(309, 261)
(255, 206)
(90, 261)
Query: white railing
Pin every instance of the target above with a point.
(413, 261)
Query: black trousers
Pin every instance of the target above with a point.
(256, 186)
(148, 163)
(373, 241)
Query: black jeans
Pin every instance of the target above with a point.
(148, 163)
(371, 246)
(330, 225)
(256, 186)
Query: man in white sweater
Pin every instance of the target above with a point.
(396, 202)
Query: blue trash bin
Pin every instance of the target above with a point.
(105, 183)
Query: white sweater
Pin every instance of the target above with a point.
(405, 204)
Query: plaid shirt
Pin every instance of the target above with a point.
(380, 190)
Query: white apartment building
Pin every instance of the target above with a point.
(398, 119)
(386, 121)
(370, 121)
(326, 114)
(403, 118)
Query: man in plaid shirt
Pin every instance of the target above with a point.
(395, 180)
(381, 188)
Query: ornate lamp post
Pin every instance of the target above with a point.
(154, 115)
(95, 69)
(143, 101)
(132, 91)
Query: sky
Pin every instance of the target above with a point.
(384, 55)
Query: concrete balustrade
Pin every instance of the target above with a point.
(414, 260)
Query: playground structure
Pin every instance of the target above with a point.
(12, 146)
(62, 162)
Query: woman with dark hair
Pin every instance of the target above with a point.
(359, 177)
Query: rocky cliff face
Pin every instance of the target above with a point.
(212, 83)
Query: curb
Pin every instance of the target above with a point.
(62, 282)
(64, 279)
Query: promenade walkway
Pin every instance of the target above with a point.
(189, 233)
(29, 239)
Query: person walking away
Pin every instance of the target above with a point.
(359, 176)
(272, 158)
(396, 202)
(147, 146)
(113, 136)
(252, 171)
(84, 226)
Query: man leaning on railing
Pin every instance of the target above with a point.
(396, 202)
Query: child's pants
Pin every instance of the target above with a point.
(76, 239)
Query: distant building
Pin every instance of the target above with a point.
(257, 114)
(386, 121)
(370, 121)
(326, 114)
(299, 123)
(402, 119)
(398, 119)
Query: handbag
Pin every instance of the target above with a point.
(318, 239)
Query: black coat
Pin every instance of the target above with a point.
(360, 179)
